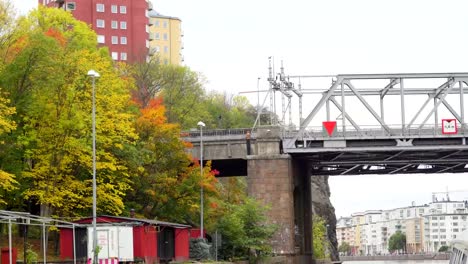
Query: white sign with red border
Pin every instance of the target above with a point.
(449, 126)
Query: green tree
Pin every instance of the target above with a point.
(344, 248)
(244, 230)
(182, 95)
(397, 241)
(444, 248)
(320, 241)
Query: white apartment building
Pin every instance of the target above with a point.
(445, 221)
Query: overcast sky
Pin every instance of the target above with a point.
(229, 42)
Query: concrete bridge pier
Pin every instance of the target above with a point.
(284, 185)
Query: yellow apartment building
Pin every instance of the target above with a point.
(358, 220)
(166, 38)
(414, 235)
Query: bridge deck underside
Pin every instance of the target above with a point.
(355, 162)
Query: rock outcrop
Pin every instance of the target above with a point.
(322, 206)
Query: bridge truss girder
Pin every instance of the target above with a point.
(354, 161)
(346, 86)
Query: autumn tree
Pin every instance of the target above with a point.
(46, 80)
(7, 180)
(168, 182)
(149, 81)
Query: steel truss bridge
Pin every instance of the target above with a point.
(421, 103)
(418, 102)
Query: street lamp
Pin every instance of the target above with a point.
(326, 239)
(201, 125)
(93, 74)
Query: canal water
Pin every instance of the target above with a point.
(427, 261)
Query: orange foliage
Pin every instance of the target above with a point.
(57, 35)
(17, 47)
(154, 113)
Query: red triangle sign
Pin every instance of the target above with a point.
(329, 126)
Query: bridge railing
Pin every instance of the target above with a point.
(217, 132)
(319, 133)
(372, 131)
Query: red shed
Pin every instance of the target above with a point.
(153, 241)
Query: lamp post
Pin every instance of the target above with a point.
(258, 99)
(326, 239)
(201, 125)
(93, 74)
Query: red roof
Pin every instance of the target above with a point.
(108, 219)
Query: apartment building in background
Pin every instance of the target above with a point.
(345, 232)
(427, 227)
(124, 27)
(166, 38)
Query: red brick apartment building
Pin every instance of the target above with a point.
(121, 25)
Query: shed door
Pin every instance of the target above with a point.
(166, 244)
(81, 239)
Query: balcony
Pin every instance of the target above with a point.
(150, 6)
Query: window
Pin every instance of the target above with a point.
(115, 55)
(100, 23)
(434, 218)
(114, 24)
(123, 24)
(442, 230)
(123, 56)
(442, 218)
(71, 6)
(408, 213)
(455, 224)
(165, 36)
(123, 40)
(115, 40)
(101, 39)
(156, 35)
(123, 9)
(114, 9)
(166, 49)
(165, 24)
(100, 8)
(156, 22)
(455, 217)
(455, 230)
